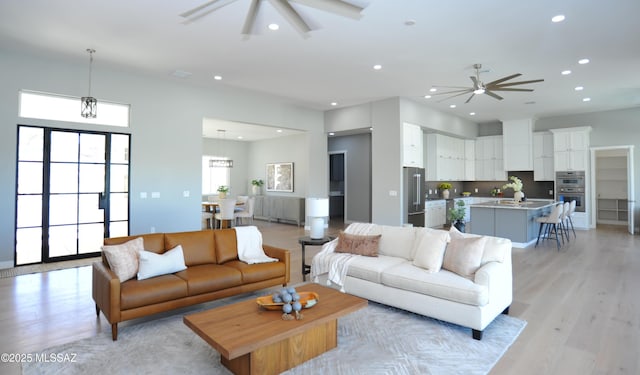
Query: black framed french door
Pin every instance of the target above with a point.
(72, 192)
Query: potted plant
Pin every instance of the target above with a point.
(222, 191)
(516, 185)
(444, 188)
(456, 215)
(256, 186)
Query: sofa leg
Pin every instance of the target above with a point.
(114, 331)
(506, 311)
(477, 335)
(97, 310)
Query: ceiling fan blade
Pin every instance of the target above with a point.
(470, 97)
(451, 87)
(509, 89)
(466, 89)
(491, 94)
(338, 7)
(286, 10)
(519, 83)
(497, 81)
(189, 14)
(251, 17)
(453, 96)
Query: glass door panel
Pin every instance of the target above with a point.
(63, 241)
(64, 146)
(63, 178)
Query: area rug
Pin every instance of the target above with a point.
(375, 340)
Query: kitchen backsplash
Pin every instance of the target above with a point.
(531, 188)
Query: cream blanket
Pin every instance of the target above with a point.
(249, 240)
(336, 264)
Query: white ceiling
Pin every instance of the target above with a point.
(334, 62)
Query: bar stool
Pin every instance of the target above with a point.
(564, 219)
(572, 210)
(551, 222)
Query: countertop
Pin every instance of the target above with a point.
(530, 204)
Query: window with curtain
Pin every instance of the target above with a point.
(212, 177)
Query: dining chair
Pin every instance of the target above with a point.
(226, 211)
(207, 218)
(551, 222)
(247, 212)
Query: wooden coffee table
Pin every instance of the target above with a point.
(252, 340)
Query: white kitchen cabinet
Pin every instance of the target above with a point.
(489, 162)
(571, 148)
(412, 147)
(445, 158)
(543, 169)
(517, 143)
(435, 215)
(469, 160)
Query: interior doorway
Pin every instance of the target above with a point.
(337, 185)
(612, 181)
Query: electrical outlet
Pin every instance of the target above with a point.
(550, 192)
(152, 230)
(475, 190)
(430, 191)
(455, 190)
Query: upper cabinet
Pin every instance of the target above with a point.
(489, 159)
(571, 148)
(412, 149)
(517, 144)
(445, 158)
(543, 157)
(469, 160)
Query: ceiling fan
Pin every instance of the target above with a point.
(283, 7)
(479, 87)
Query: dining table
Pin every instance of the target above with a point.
(210, 206)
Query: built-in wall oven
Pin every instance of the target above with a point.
(570, 186)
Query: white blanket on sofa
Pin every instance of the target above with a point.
(249, 240)
(336, 264)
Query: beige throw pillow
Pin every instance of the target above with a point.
(358, 244)
(464, 255)
(430, 249)
(123, 258)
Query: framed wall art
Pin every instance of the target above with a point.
(280, 177)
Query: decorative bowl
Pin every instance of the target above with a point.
(307, 299)
(466, 194)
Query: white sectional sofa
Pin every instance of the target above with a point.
(459, 278)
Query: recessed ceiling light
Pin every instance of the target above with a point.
(427, 96)
(472, 113)
(566, 72)
(583, 61)
(558, 18)
(279, 130)
(217, 78)
(433, 89)
(452, 106)
(586, 99)
(332, 133)
(273, 26)
(377, 67)
(579, 88)
(334, 104)
(240, 137)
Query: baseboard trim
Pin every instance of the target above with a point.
(6, 264)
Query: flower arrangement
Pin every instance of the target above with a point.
(257, 182)
(516, 185)
(444, 186)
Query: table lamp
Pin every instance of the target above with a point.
(316, 209)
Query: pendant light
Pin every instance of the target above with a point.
(89, 104)
(221, 162)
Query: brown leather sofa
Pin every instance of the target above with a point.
(213, 272)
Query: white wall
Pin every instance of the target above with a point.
(166, 134)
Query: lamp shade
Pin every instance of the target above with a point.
(317, 207)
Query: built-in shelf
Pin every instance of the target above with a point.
(612, 211)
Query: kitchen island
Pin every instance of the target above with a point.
(508, 219)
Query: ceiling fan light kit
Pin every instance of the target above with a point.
(480, 88)
(283, 7)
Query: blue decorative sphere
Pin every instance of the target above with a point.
(286, 308)
(297, 306)
(286, 298)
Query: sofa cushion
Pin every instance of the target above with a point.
(152, 264)
(370, 268)
(137, 293)
(123, 258)
(397, 241)
(226, 245)
(463, 255)
(198, 246)
(207, 278)
(253, 273)
(429, 249)
(358, 244)
(495, 249)
(444, 284)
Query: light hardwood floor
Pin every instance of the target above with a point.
(581, 305)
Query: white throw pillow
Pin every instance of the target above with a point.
(152, 264)
(430, 248)
(495, 249)
(463, 255)
(397, 241)
(123, 258)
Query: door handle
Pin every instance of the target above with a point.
(101, 201)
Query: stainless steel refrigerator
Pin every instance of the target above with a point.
(413, 207)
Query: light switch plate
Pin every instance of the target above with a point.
(186, 193)
(393, 193)
(155, 194)
(143, 195)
